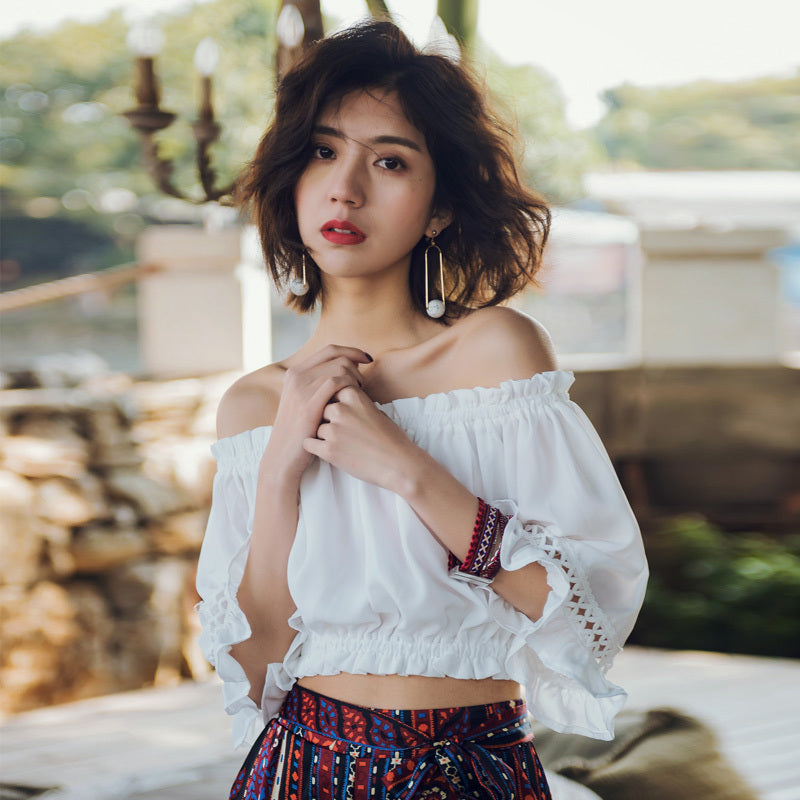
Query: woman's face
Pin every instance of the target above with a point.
(366, 196)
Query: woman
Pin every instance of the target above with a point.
(410, 517)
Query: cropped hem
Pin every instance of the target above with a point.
(552, 696)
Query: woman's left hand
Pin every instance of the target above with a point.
(360, 439)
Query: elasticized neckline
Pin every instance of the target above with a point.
(419, 412)
(481, 401)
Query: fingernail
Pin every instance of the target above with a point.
(369, 357)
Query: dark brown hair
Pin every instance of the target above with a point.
(493, 247)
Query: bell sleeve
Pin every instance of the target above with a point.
(219, 572)
(568, 513)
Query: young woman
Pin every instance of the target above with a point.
(410, 517)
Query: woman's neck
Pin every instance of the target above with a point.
(370, 319)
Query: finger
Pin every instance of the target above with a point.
(332, 351)
(336, 368)
(328, 387)
(314, 446)
(349, 395)
(331, 411)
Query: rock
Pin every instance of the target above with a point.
(149, 599)
(124, 515)
(179, 533)
(130, 586)
(166, 408)
(138, 650)
(55, 645)
(151, 498)
(21, 549)
(16, 493)
(205, 420)
(41, 458)
(71, 503)
(98, 548)
(111, 435)
(42, 425)
(57, 548)
(173, 579)
(99, 535)
(168, 398)
(63, 369)
(183, 462)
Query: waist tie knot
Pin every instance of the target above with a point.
(473, 770)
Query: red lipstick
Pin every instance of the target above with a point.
(339, 231)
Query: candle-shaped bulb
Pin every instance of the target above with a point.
(290, 27)
(206, 57)
(145, 40)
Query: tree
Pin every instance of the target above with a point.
(750, 124)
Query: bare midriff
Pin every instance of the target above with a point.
(410, 691)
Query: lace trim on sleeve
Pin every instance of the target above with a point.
(583, 612)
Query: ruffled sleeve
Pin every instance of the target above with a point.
(567, 512)
(572, 516)
(219, 573)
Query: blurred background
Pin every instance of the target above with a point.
(667, 138)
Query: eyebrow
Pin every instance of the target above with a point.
(383, 139)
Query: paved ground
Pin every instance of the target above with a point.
(174, 743)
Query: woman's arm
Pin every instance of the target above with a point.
(263, 593)
(358, 438)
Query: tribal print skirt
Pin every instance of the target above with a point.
(318, 748)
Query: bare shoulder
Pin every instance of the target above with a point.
(503, 344)
(252, 401)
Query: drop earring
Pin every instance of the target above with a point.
(434, 308)
(299, 286)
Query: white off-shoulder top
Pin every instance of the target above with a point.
(371, 583)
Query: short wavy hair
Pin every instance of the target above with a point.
(493, 247)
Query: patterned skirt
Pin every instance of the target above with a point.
(318, 748)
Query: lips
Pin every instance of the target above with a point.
(338, 231)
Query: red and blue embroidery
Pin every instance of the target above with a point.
(321, 749)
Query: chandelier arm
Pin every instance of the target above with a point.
(160, 170)
(206, 173)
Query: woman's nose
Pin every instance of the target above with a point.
(347, 184)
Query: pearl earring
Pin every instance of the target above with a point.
(299, 286)
(434, 308)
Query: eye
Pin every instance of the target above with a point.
(391, 163)
(322, 151)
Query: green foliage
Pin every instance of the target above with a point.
(752, 124)
(460, 18)
(65, 148)
(728, 592)
(553, 155)
(66, 153)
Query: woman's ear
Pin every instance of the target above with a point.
(438, 222)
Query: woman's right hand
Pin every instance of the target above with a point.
(307, 388)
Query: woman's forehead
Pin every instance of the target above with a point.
(377, 112)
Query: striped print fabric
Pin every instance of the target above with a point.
(322, 749)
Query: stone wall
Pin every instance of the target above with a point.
(104, 495)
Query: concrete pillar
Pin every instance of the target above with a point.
(208, 310)
(710, 297)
